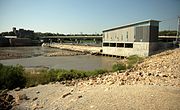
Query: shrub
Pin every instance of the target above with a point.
(95, 73)
(133, 59)
(76, 74)
(11, 77)
(119, 67)
(35, 79)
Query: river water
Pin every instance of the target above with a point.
(34, 57)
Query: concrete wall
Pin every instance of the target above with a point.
(157, 46)
(139, 48)
(20, 42)
(142, 49)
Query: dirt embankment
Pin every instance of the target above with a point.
(151, 85)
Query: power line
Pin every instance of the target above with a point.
(169, 22)
(169, 19)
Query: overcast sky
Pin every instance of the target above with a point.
(87, 16)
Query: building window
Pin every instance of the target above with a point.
(121, 37)
(106, 44)
(128, 45)
(112, 44)
(127, 36)
(117, 38)
(120, 44)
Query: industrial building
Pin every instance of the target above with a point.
(140, 38)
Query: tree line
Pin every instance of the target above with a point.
(168, 33)
(38, 35)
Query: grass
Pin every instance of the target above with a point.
(118, 67)
(131, 61)
(53, 75)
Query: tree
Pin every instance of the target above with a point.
(167, 33)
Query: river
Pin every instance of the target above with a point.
(33, 57)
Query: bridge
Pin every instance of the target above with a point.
(72, 39)
(91, 39)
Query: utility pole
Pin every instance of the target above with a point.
(178, 29)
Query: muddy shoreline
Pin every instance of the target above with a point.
(22, 52)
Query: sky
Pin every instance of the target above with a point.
(84, 16)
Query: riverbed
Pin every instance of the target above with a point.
(34, 57)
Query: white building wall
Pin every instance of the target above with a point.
(139, 48)
(120, 35)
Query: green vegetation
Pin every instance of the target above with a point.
(15, 76)
(53, 75)
(11, 77)
(38, 35)
(119, 67)
(131, 61)
(168, 33)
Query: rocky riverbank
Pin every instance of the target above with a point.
(76, 48)
(152, 84)
(63, 53)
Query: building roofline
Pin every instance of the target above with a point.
(131, 24)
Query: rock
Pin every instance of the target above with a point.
(37, 92)
(9, 98)
(110, 83)
(72, 90)
(91, 82)
(36, 106)
(149, 74)
(126, 73)
(23, 97)
(17, 89)
(122, 83)
(164, 75)
(157, 75)
(4, 92)
(80, 96)
(6, 101)
(35, 98)
(65, 95)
